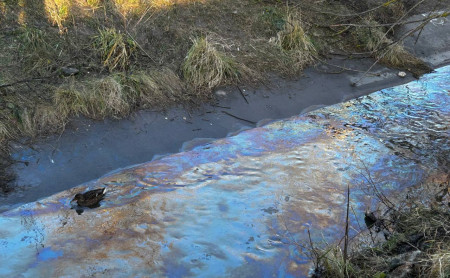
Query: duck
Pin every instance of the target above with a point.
(90, 199)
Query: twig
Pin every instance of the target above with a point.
(239, 118)
(345, 68)
(378, 193)
(220, 106)
(141, 48)
(346, 231)
(25, 81)
(242, 94)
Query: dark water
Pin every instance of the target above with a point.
(240, 206)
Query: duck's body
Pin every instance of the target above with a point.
(90, 199)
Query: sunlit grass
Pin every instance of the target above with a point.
(58, 11)
(130, 7)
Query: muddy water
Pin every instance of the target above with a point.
(240, 206)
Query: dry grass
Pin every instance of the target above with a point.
(115, 49)
(332, 263)
(58, 11)
(5, 134)
(36, 50)
(93, 3)
(158, 88)
(129, 8)
(42, 119)
(418, 241)
(118, 95)
(294, 42)
(207, 67)
(388, 52)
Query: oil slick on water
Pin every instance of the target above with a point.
(240, 206)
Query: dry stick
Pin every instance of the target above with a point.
(385, 52)
(346, 231)
(140, 47)
(397, 22)
(242, 94)
(313, 250)
(345, 68)
(239, 118)
(379, 194)
(26, 81)
(142, 17)
(421, 26)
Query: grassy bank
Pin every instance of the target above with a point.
(107, 58)
(406, 236)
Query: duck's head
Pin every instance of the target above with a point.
(78, 197)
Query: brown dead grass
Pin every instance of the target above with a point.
(207, 67)
(418, 239)
(295, 43)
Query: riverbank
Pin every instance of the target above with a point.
(406, 236)
(245, 205)
(89, 149)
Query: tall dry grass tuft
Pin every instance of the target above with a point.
(70, 101)
(157, 88)
(295, 43)
(115, 48)
(207, 67)
(119, 94)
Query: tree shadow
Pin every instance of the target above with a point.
(22, 13)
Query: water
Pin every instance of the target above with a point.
(240, 206)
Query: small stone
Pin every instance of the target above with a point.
(221, 93)
(402, 74)
(69, 71)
